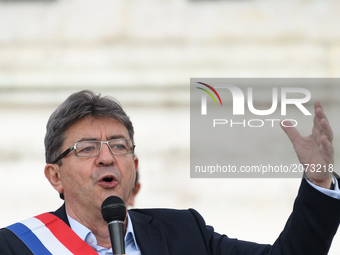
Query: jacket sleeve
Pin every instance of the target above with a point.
(10, 244)
(309, 230)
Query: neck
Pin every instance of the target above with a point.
(95, 223)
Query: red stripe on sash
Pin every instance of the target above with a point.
(66, 235)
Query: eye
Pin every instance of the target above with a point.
(119, 147)
(86, 148)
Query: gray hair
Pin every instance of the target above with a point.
(77, 106)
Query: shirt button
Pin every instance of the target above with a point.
(91, 240)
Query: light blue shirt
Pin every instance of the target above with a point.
(131, 246)
(335, 193)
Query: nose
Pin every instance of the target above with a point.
(105, 156)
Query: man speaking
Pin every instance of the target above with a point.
(89, 149)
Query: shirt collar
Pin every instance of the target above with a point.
(84, 232)
(130, 233)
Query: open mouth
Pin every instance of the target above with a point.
(108, 181)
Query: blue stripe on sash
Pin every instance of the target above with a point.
(29, 238)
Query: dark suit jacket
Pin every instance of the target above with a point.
(309, 230)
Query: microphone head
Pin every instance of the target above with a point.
(113, 209)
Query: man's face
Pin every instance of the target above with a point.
(87, 181)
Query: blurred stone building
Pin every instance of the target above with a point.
(144, 54)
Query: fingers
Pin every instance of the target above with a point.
(323, 133)
(291, 131)
(321, 124)
(327, 149)
(326, 129)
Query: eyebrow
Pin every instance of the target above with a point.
(87, 139)
(117, 137)
(95, 139)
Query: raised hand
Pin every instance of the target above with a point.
(316, 151)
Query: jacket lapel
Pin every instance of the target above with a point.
(149, 234)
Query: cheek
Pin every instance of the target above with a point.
(129, 174)
(75, 177)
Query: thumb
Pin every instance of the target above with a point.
(291, 131)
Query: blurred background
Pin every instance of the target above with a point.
(144, 54)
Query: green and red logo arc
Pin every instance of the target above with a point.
(209, 93)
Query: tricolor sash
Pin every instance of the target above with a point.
(47, 234)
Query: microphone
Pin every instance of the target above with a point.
(114, 212)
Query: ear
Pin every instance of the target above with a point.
(135, 161)
(52, 174)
